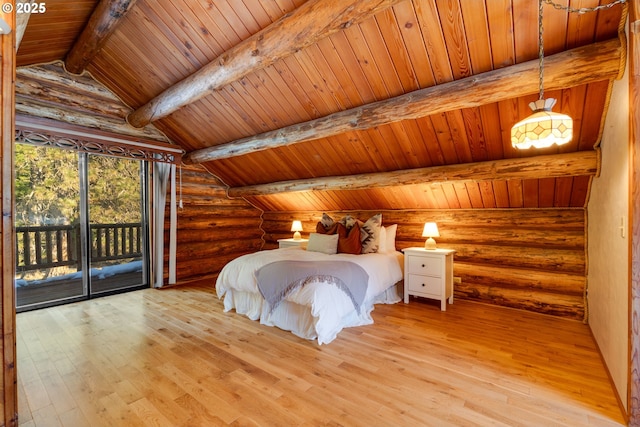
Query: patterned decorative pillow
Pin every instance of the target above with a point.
(370, 234)
(348, 221)
(348, 240)
(326, 221)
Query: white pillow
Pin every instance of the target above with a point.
(325, 243)
(390, 238)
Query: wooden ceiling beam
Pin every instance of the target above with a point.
(550, 166)
(311, 22)
(104, 20)
(594, 62)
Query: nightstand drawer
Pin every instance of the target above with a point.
(425, 285)
(425, 265)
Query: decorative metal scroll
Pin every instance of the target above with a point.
(107, 148)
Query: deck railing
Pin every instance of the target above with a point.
(51, 246)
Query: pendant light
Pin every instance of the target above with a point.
(544, 127)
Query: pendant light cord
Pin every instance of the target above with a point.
(583, 9)
(540, 49)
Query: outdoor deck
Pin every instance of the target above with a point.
(41, 248)
(29, 295)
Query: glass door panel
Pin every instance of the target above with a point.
(116, 226)
(48, 256)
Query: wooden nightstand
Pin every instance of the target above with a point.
(288, 243)
(429, 274)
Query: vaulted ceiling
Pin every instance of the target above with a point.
(351, 104)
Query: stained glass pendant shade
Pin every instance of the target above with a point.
(543, 128)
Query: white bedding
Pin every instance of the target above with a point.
(317, 310)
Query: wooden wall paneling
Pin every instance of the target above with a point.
(397, 50)
(514, 189)
(509, 115)
(499, 18)
(450, 194)
(290, 102)
(456, 42)
(335, 73)
(525, 24)
(456, 122)
(531, 259)
(427, 15)
(474, 133)
(8, 385)
(443, 138)
(382, 57)
(476, 27)
(366, 62)
(414, 43)
(590, 128)
(492, 147)
(430, 141)
(462, 194)
(410, 141)
(608, 21)
(580, 191)
(562, 196)
(546, 192)
(59, 26)
(291, 71)
(352, 67)
(487, 194)
(571, 102)
(475, 195)
(308, 76)
(212, 228)
(530, 193)
(501, 194)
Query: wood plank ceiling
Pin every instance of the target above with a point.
(406, 46)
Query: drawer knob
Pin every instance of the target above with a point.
(423, 284)
(422, 265)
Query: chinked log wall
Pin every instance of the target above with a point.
(531, 259)
(212, 228)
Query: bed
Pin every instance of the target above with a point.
(319, 309)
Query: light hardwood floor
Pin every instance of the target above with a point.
(173, 358)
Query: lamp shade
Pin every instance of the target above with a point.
(543, 128)
(297, 227)
(430, 230)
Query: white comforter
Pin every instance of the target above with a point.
(317, 310)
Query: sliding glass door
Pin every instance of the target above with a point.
(116, 224)
(47, 189)
(81, 226)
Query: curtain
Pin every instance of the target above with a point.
(162, 172)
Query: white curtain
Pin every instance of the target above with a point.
(161, 174)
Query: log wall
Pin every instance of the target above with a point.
(212, 228)
(531, 259)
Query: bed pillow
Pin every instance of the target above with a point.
(389, 242)
(348, 239)
(326, 221)
(348, 221)
(370, 234)
(324, 243)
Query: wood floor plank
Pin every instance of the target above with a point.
(172, 357)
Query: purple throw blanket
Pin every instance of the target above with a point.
(278, 279)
